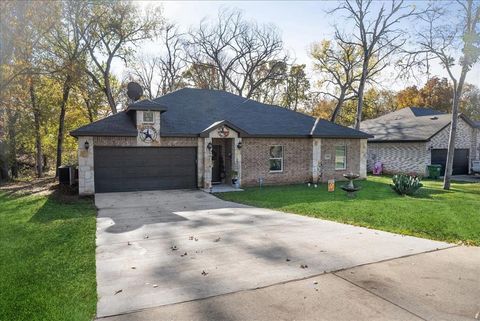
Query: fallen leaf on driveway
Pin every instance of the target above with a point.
(217, 239)
(174, 248)
(145, 236)
(288, 260)
(204, 273)
(133, 267)
(184, 254)
(129, 243)
(304, 266)
(118, 291)
(155, 286)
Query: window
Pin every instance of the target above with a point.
(148, 116)
(340, 157)
(276, 158)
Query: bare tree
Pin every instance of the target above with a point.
(238, 50)
(444, 39)
(377, 34)
(340, 66)
(147, 72)
(173, 62)
(162, 74)
(118, 26)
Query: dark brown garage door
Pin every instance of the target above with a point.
(122, 169)
(460, 160)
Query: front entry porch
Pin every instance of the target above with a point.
(219, 161)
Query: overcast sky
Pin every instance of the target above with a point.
(301, 23)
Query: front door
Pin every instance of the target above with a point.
(217, 164)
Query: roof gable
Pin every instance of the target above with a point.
(206, 132)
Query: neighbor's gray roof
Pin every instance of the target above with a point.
(191, 111)
(407, 124)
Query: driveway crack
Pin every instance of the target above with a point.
(379, 296)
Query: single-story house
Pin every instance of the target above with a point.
(409, 139)
(193, 138)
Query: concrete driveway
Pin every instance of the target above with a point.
(163, 247)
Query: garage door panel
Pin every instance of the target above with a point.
(460, 160)
(120, 169)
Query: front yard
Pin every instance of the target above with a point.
(452, 216)
(47, 255)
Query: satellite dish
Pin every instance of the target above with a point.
(134, 91)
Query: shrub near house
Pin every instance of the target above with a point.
(405, 184)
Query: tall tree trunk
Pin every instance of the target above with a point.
(89, 110)
(61, 122)
(38, 140)
(339, 105)
(108, 92)
(10, 147)
(361, 88)
(453, 128)
(12, 117)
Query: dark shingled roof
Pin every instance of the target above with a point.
(146, 104)
(408, 124)
(120, 124)
(191, 111)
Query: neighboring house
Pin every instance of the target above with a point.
(195, 138)
(409, 139)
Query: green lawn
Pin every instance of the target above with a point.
(47, 259)
(452, 216)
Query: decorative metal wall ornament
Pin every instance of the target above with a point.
(87, 145)
(223, 131)
(148, 134)
(209, 146)
(239, 145)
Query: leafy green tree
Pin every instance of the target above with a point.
(339, 64)
(111, 31)
(297, 87)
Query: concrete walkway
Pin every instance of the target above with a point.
(168, 247)
(440, 285)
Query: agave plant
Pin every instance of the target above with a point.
(405, 184)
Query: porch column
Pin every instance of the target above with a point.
(363, 158)
(316, 159)
(207, 163)
(86, 183)
(237, 164)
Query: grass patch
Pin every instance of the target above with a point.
(452, 216)
(47, 255)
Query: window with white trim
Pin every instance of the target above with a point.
(340, 157)
(148, 116)
(276, 158)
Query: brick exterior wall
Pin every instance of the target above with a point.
(297, 161)
(328, 170)
(476, 142)
(399, 157)
(414, 157)
(251, 161)
(463, 139)
(132, 141)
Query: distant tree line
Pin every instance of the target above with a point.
(57, 57)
